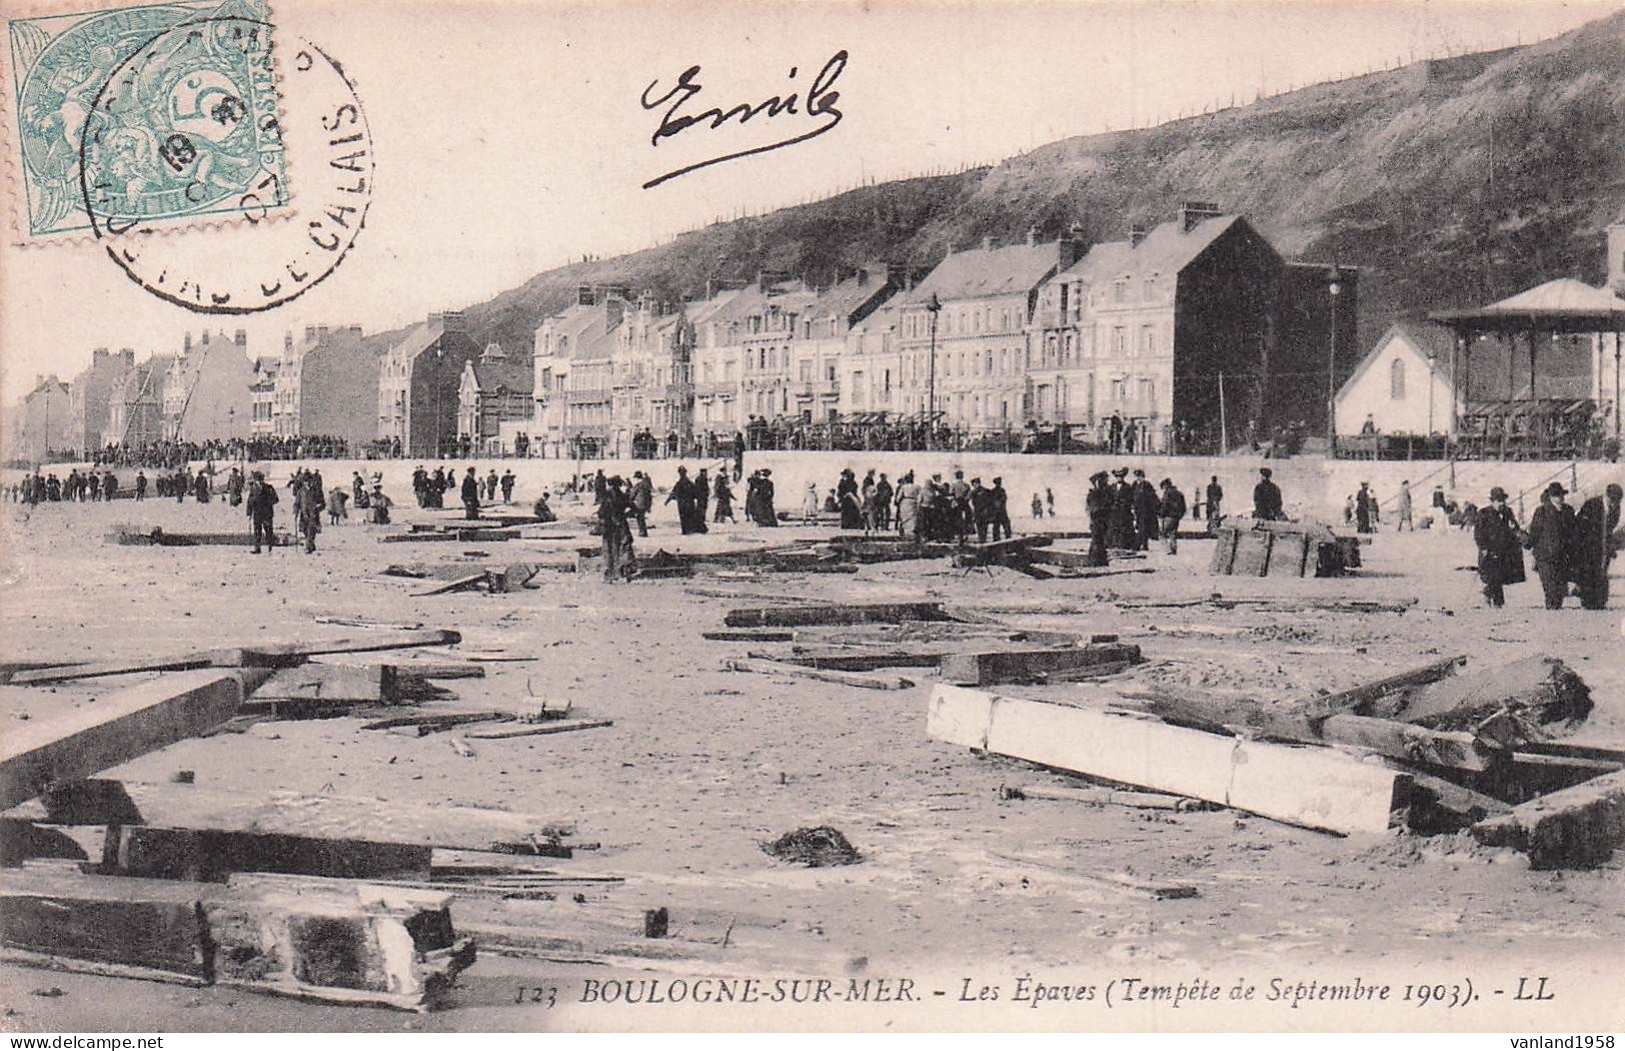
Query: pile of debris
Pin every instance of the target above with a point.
(839, 643)
(1284, 549)
(322, 897)
(1430, 750)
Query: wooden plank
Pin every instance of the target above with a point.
(117, 728)
(295, 652)
(1456, 750)
(1224, 553)
(338, 683)
(1007, 666)
(212, 855)
(1288, 553)
(440, 719)
(1578, 827)
(101, 802)
(132, 928)
(1314, 788)
(834, 613)
(1538, 688)
(854, 660)
(92, 669)
(559, 726)
(749, 635)
(1355, 698)
(467, 582)
(1102, 797)
(866, 682)
(1252, 553)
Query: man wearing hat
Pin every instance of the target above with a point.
(1120, 526)
(261, 502)
(1500, 557)
(1595, 545)
(1551, 539)
(1364, 505)
(998, 509)
(616, 534)
(1267, 503)
(1145, 511)
(1098, 505)
(1171, 508)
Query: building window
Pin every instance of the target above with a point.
(1396, 380)
(1120, 290)
(1119, 341)
(1148, 340)
(1149, 291)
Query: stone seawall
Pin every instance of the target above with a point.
(1310, 485)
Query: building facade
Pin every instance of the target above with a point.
(206, 392)
(573, 370)
(964, 333)
(44, 422)
(262, 397)
(135, 406)
(90, 395)
(492, 391)
(1183, 330)
(417, 381)
(321, 378)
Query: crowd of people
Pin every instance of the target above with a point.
(167, 454)
(1571, 549)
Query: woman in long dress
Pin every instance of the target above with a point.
(613, 509)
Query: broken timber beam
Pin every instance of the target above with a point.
(771, 667)
(1457, 750)
(1351, 700)
(467, 582)
(280, 812)
(1578, 827)
(558, 726)
(119, 727)
(336, 683)
(854, 660)
(258, 655)
(1102, 797)
(1009, 666)
(1314, 788)
(211, 855)
(834, 613)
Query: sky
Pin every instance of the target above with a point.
(510, 137)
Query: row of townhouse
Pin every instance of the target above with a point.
(1165, 333)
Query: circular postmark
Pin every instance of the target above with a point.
(183, 169)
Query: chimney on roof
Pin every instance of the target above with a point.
(355, 330)
(240, 337)
(1136, 234)
(321, 332)
(287, 343)
(205, 339)
(186, 345)
(897, 275)
(1193, 212)
(98, 356)
(1032, 234)
(454, 321)
(310, 332)
(987, 244)
(1068, 249)
(584, 296)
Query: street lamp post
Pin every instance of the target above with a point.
(1334, 289)
(1433, 360)
(933, 306)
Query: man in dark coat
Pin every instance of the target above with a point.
(420, 485)
(981, 508)
(1364, 507)
(702, 500)
(723, 498)
(471, 495)
(140, 485)
(682, 491)
(1500, 555)
(308, 504)
(883, 501)
(1594, 546)
(1267, 504)
(998, 511)
(1120, 530)
(1551, 538)
(1145, 511)
(262, 500)
(1215, 504)
(1098, 504)
(1171, 508)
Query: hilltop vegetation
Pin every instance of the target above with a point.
(1450, 181)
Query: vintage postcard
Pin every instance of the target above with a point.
(539, 516)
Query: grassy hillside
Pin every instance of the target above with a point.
(1451, 181)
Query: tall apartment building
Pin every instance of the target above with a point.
(135, 405)
(206, 391)
(417, 381)
(90, 394)
(573, 367)
(321, 378)
(493, 390)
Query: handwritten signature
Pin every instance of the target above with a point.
(820, 102)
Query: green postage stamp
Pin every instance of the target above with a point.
(147, 116)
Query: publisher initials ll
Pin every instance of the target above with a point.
(1537, 993)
